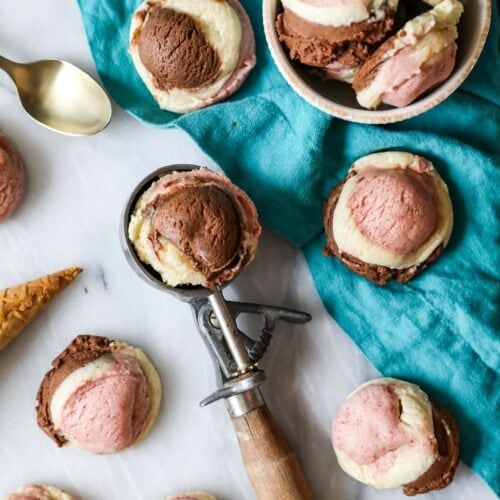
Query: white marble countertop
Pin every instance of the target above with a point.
(77, 187)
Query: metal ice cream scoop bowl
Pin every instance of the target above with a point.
(271, 465)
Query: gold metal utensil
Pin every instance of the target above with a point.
(60, 96)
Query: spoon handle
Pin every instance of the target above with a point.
(8, 66)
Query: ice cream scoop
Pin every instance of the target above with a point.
(334, 36)
(389, 218)
(101, 396)
(388, 434)
(12, 178)
(272, 467)
(191, 54)
(195, 228)
(39, 492)
(417, 58)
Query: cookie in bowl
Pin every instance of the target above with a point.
(191, 53)
(389, 218)
(417, 58)
(335, 37)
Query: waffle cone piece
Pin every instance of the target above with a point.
(20, 304)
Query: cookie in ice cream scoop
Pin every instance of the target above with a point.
(389, 218)
(195, 228)
(418, 57)
(191, 53)
(12, 178)
(336, 37)
(101, 396)
(389, 434)
(39, 492)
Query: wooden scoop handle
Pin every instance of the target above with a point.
(271, 465)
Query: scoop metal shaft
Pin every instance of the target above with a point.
(229, 330)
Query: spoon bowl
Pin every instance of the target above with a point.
(60, 96)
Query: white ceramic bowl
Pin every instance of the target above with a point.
(339, 99)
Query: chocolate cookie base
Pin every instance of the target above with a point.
(82, 350)
(379, 275)
(442, 472)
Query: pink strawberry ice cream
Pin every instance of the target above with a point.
(12, 178)
(389, 218)
(413, 61)
(388, 434)
(377, 437)
(395, 209)
(105, 414)
(405, 90)
(101, 396)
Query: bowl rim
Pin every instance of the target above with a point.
(373, 117)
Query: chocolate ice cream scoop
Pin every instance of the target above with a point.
(191, 54)
(202, 222)
(12, 178)
(195, 228)
(175, 50)
(388, 434)
(101, 396)
(389, 218)
(335, 37)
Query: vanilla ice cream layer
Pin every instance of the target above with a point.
(222, 29)
(349, 238)
(339, 12)
(415, 446)
(38, 492)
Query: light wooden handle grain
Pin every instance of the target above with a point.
(271, 465)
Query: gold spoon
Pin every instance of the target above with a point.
(60, 96)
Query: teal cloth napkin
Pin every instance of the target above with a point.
(440, 330)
